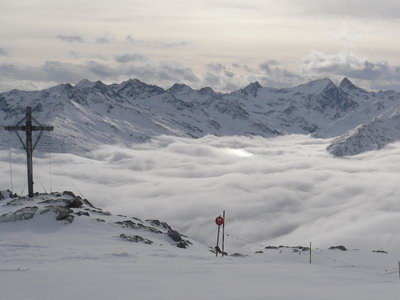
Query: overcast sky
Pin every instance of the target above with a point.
(218, 43)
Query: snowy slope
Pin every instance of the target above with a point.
(67, 213)
(373, 135)
(82, 256)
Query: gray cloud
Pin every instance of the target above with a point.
(229, 74)
(124, 58)
(358, 8)
(284, 190)
(216, 67)
(107, 38)
(351, 8)
(157, 43)
(74, 54)
(53, 71)
(271, 73)
(4, 53)
(276, 76)
(347, 64)
(70, 38)
(211, 79)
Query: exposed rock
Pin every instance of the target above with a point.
(343, 248)
(70, 203)
(101, 212)
(66, 207)
(271, 247)
(62, 213)
(380, 251)
(86, 201)
(259, 252)
(16, 202)
(160, 224)
(133, 225)
(75, 203)
(175, 235)
(182, 244)
(25, 213)
(301, 248)
(69, 193)
(6, 194)
(238, 255)
(136, 239)
(82, 213)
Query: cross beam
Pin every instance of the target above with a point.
(29, 146)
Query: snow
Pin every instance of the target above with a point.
(177, 277)
(42, 258)
(372, 135)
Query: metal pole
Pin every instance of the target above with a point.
(28, 145)
(216, 248)
(310, 253)
(29, 150)
(223, 234)
(11, 174)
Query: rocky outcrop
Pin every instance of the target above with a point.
(341, 247)
(136, 239)
(22, 214)
(67, 208)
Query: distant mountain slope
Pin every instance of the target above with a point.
(93, 113)
(373, 135)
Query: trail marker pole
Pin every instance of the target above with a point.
(217, 248)
(29, 146)
(219, 221)
(223, 234)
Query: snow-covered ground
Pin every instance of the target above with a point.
(279, 191)
(42, 258)
(174, 276)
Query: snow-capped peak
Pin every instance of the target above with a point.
(348, 86)
(132, 82)
(179, 88)
(84, 83)
(346, 83)
(207, 91)
(252, 88)
(316, 86)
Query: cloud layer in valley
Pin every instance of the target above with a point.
(284, 190)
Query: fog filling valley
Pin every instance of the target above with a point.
(277, 191)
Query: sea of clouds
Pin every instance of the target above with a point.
(286, 190)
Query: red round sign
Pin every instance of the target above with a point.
(219, 220)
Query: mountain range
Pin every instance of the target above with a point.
(93, 113)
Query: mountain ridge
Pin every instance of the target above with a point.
(93, 113)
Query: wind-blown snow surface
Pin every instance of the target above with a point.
(284, 190)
